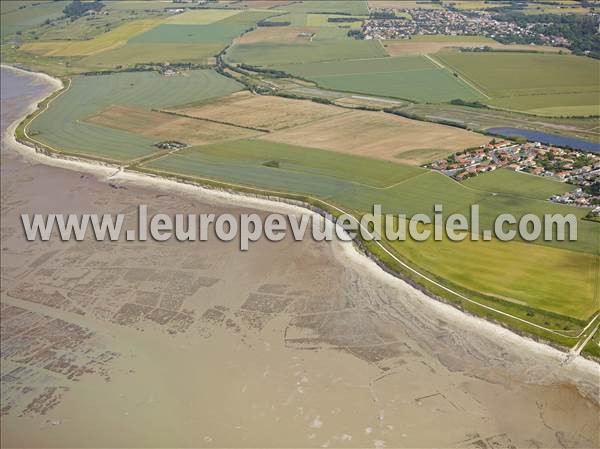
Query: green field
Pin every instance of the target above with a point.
(409, 77)
(531, 82)
(62, 126)
(131, 54)
(357, 7)
(518, 273)
(222, 31)
(520, 184)
(267, 54)
(15, 20)
(356, 183)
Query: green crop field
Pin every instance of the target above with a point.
(267, 54)
(546, 278)
(32, 15)
(356, 183)
(131, 54)
(358, 7)
(62, 125)
(326, 172)
(409, 77)
(222, 31)
(532, 82)
(520, 184)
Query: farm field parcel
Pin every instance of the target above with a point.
(535, 83)
(412, 77)
(294, 100)
(69, 125)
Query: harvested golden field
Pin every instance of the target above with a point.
(167, 126)
(408, 47)
(288, 35)
(380, 135)
(261, 111)
(112, 39)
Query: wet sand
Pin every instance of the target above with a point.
(291, 344)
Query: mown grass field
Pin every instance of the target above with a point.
(408, 77)
(529, 82)
(63, 126)
(521, 184)
(545, 279)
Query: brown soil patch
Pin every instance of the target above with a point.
(261, 111)
(163, 126)
(380, 135)
(289, 35)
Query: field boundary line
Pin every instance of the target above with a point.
(219, 122)
(460, 76)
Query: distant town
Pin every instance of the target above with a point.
(582, 170)
(386, 24)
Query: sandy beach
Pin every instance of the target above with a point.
(290, 344)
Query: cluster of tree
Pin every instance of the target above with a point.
(582, 160)
(343, 19)
(470, 104)
(487, 49)
(379, 14)
(356, 34)
(580, 30)
(270, 72)
(593, 189)
(77, 8)
(265, 23)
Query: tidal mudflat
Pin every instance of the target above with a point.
(291, 344)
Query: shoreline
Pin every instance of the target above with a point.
(342, 250)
